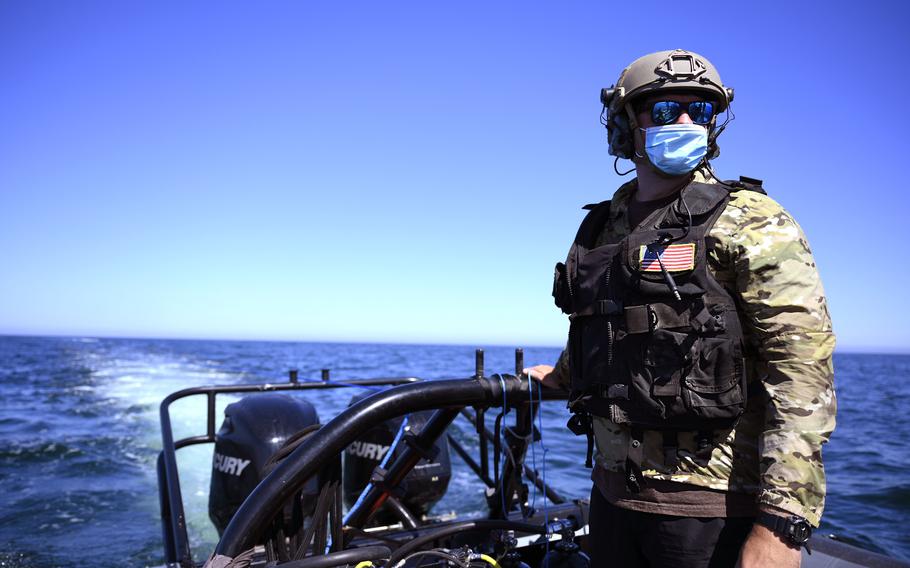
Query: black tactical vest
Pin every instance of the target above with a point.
(637, 354)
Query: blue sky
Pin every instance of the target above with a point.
(406, 172)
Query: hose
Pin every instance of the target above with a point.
(489, 560)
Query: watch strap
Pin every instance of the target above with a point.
(793, 529)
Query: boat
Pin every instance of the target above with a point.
(290, 492)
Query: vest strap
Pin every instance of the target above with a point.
(635, 456)
(599, 308)
(648, 317)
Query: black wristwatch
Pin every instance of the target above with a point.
(793, 529)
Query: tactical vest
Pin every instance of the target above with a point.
(639, 355)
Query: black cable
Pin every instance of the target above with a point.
(497, 446)
(320, 539)
(407, 518)
(337, 519)
(689, 213)
(289, 446)
(605, 122)
(716, 132)
(616, 168)
(664, 240)
(718, 180)
(731, 116)
(280, 549)
(322, 505)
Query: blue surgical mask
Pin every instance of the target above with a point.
(676, 149)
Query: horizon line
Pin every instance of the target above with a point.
(849, 350)
(273, 340)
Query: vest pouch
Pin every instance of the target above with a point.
(657, 377)
(562, 296)
(714, 388)
(686, 382)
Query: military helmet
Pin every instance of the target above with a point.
(676, 70)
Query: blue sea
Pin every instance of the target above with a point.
(79, 437)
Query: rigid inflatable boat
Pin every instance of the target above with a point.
(289, 491)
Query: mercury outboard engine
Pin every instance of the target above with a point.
(253, 429)
(423, 486)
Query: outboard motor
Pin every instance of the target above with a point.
(253, 429)
(423, 486)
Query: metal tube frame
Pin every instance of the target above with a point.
(173, 518)
(479, 392)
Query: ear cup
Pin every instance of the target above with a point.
(620, 135)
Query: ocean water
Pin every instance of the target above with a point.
(79, 437)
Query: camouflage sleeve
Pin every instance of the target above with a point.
(787, 324)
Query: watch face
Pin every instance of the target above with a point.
(800, 530)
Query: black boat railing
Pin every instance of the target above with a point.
(449, 397)
(173, 517)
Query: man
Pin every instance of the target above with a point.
(699, 352)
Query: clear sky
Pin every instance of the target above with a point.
(407, 172)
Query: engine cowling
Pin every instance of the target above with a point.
(423, 486)
(252, 430)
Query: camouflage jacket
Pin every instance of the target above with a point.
(762, 257)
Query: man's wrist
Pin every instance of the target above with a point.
(792, 530)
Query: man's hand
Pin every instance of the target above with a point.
(544, 375)
(764, 549)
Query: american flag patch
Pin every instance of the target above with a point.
(676, 258)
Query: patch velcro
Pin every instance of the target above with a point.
(676, 258)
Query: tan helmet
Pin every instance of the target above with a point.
(676, 70)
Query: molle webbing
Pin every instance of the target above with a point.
(644, 357)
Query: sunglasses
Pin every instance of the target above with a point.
(667, 112)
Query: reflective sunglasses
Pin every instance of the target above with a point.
(667, 112)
